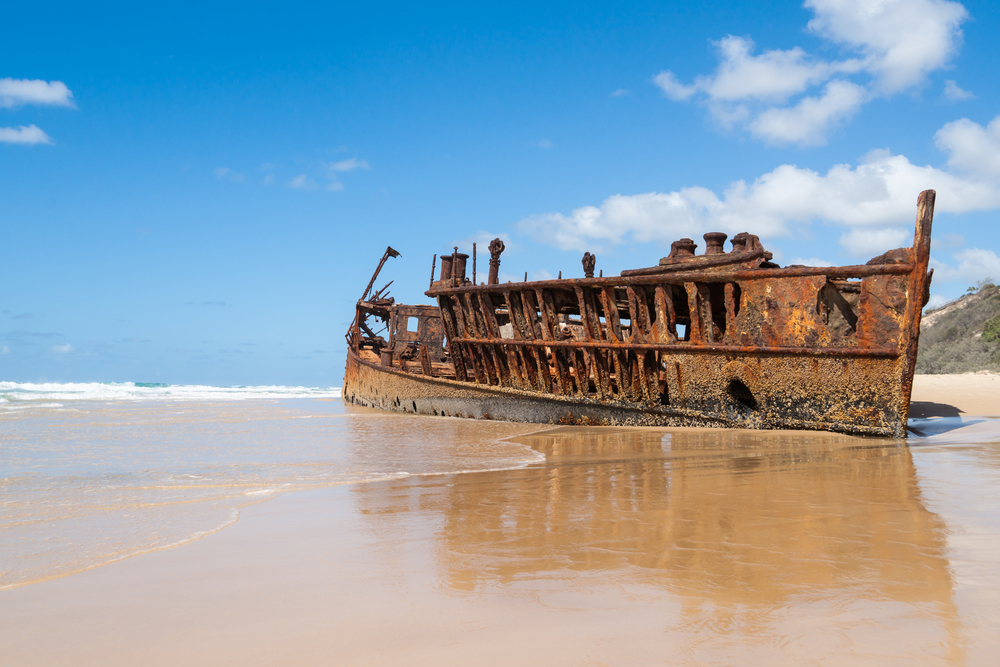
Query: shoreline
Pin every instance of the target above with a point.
(622, 547)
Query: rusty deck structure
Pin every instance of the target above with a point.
(722, 339)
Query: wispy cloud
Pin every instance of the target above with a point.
(4, 349)
(948, 241)
(953, 93)
(302, 182)
(621, 92)
(28, 135)
(812, 261)
(542, 143)
(65, 348)
(22, 334)
(208, 304)
(19, 92)
(482, 240)
(227, 174)
(971, 265)
(348, 165)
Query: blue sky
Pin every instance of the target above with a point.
(199, 195)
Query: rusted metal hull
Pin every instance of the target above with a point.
(815, 394)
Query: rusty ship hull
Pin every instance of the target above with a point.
(723, 339)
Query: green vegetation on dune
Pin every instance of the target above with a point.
(991, 331)
(962, 336)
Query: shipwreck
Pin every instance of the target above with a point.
(720, 339)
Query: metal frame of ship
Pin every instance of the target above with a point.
(721, 339)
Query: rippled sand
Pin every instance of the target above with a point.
(625, 546)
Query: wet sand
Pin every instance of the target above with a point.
(626, 546)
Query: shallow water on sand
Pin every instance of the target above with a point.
(85, 483)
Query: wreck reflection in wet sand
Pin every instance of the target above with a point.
(785, 545)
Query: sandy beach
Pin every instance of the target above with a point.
(624, 546)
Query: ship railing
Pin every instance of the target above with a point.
(521, 335)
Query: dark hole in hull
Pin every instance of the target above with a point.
(742, 395)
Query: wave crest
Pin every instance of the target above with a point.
(18, 392)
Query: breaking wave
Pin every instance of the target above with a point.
(12, 393)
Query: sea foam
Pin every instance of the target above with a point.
(12, 393)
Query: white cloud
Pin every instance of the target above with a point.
(302, 182)
(65, 348)
(901, 40)
(348, 165)
(621, 92)
(268, 180)
(865, 242)
(335, 186)
(972, 147)
(29, 135)
(878, 193)
(542, 143)
(973, 264)
(18, 92)
(4, 350)
(772, 76)
(811, 119)
(898, 43)
(953, 93)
